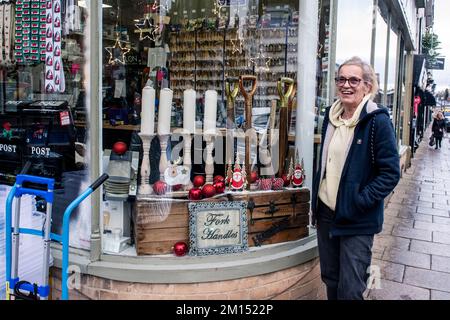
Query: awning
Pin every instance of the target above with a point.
(429, 99)
(419, 71)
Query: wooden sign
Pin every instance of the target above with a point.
(218, 228)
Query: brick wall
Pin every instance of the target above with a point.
(299, 283)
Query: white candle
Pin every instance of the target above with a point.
(165, 111)
(189, 100)
(210, 112)
(148, 111)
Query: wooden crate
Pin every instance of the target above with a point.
(273, 217)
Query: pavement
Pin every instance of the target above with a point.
(412, 254)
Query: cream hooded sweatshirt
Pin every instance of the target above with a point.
(336, 157)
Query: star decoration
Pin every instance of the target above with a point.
(261, 56)
(184, 172)
(218, 5)
(148, 30)
(117, 53)
(238, 45)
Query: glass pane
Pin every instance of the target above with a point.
(166, 66)
(392, 80)
(354, 30)
(380, 56)
(42, 109)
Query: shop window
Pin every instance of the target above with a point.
(42, 107)
(171, 73)
(380, 58)
(354, 31)
(393, 83)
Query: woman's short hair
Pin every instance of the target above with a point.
(369, 75)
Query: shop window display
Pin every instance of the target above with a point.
(199, 105)
(43, 115)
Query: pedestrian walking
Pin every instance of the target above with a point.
(359, 167)
(438, 129)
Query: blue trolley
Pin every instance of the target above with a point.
(15, 287)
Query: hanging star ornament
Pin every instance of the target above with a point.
(238, 45)
(117, 53)
(218, 5)
(261, 56)
(147, 30)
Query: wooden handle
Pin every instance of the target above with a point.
(285, 95)
(232, 92)
(248, 95)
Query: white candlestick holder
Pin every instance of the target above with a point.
(209, 162)
(187, 157)
(163, 163)
(145, 187)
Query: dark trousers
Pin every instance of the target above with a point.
(438, 143)
(344, 261)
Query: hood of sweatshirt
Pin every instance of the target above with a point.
(337, 110)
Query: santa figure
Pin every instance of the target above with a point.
(239, 178)
(298, 178)
(237, 181)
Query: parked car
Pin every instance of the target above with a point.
(447, 118)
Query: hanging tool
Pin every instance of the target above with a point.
(248, 96)
(232, 91)
(285, 94)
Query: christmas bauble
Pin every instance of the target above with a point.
(218, 179)
(208, 191)
(254, 177)
(195, 194)
(180, 249)
(220, 187)
(199, 181)
(176, 188)
(278, 184)
(160, 188)
(286, 180)
(265, 184)
(120, 148)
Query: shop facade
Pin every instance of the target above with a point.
(201, 203)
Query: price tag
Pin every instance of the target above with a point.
(65, 118)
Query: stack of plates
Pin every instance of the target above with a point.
(117, 187)
(119, 178)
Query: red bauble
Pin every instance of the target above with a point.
(208, 191)
(176, 188)
(195, 194)
(220, 187)
(286, 180)
(254, 177)
(278, 184)
(180, 249)
(120, 148)
(265, 184)
(160, 188)
(199, 181)
(219, 179)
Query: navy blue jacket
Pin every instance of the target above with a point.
(370, 174)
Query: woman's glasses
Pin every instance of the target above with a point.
(352, 81)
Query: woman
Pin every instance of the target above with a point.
(438, 129)
(359, 166)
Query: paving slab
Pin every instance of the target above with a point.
(408, 258)
(427, 279)
(391, 290)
